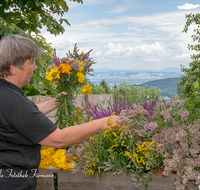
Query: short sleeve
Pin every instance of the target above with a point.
(32, 123)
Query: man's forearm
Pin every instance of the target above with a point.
(47, 106)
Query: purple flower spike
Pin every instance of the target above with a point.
(56, 61)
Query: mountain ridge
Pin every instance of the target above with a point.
(113, 77)
(167, 69)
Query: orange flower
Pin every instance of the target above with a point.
(82, 53)
(65, 68)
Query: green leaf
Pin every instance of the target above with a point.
(38, 4)
(66, 21)
(48, 2)
(44, 20)
(22, 24)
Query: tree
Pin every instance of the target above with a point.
(191, 78)
(104, 84)
(115, 86)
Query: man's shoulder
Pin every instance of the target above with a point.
(9, 96)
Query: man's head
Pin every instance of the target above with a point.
(16, 50)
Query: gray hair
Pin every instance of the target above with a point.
(15, 50)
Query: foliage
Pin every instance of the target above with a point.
(67, 74)
(179, 90)
(97, 89)
(30, 16)
(191, 78)
(135, 95)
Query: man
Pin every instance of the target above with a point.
(23, 125)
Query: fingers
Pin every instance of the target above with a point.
(119, 122)
(116, 120)
(64, 93)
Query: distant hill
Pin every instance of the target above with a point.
(165, 79)
(167, 86)
(136, 76)
(170, 69)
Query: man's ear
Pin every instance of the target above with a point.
(14, 70)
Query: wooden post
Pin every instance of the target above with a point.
(89, 101)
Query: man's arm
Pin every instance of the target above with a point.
(47, 106)
(78, 133)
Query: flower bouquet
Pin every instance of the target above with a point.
(68, 74)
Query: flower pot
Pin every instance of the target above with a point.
(55, 179)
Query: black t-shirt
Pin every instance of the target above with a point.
(22, 127)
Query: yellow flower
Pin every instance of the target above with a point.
(108, 121)
(46, 157)
(115, 145)
(136, 157)
(81, 66)
(79, 110)
(53, 74)
(60, 160)
(113, 125)
(114, 134)
(148, 153)
(80, 76)
(86, 89)
(142, 161)
(127, 154)
(105, 133)
(65, 68)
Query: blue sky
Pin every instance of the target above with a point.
(129, 34)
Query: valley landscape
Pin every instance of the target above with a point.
(164, 79)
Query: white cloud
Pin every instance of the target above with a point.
(184, 55)
(72, 4)
(152, 60)
(153, 51)
(114, 50)
(142, 41)
(124, 6)
(188, 6)
(98, 53)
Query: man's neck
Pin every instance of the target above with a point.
(12, 79)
